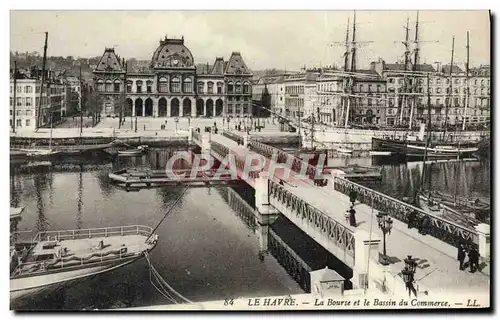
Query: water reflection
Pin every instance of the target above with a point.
(205, 252)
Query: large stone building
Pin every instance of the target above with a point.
(173, 87)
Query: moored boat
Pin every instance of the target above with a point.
(134, 152)
(15, 213)
(55, 259)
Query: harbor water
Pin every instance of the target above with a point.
(207, 250)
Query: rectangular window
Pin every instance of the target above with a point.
(219, 88)
(37, 89)
(149, 88)
(139, 88)
(187, 85)
(19, 89)
(19, 101)
(176, 86)
(229, 88)
(28, 89)
(29, 101)
(18, 113)
(129, 87)
(11, 100)
(28, 122)
(116, 87)
(18, 123)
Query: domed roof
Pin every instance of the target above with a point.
(172, 53)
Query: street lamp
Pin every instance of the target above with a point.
(176, 120)
(408, 274)
(385, 224)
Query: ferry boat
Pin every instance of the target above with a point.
(54, 259)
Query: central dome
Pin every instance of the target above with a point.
(172, 53)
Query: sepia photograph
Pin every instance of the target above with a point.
(250, 160)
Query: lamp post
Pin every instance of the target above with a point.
(176, 120)
(385, 224)
(408, 274)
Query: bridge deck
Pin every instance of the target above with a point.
(437, 264)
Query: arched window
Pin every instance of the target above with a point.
(210, 89)
(246, 87)
(188, 85)
(163, 84)
(100, 85)
(149, 86)
(129, 86)
(176, 85)
(230, 87)
(219, 87)
(237, 87)
(138, 85)
(109, 85)
(116, 85)
(201, 87)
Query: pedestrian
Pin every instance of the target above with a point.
(347, 216)
(353, 195)
(352, 217)
(424, 225)
(473, 259)
(461, 255)
(412, 217)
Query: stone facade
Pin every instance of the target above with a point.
(173, 87)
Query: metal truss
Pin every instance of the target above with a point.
(334, 231)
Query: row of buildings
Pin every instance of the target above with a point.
(60, 94)
(172, 85)
(384, 95)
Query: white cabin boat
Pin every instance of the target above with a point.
(54, 259)
(15, 213)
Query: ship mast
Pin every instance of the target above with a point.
(450, 93)
(37, 124)
(467, 84)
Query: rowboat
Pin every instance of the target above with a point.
(54, 259)
(134, 152)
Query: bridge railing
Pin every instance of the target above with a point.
(282, 157)
(330, 228)
(439, 228)
(220, 149)
(196, 136)
(233, 136)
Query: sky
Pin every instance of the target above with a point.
(266, 39)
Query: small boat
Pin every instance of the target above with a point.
(468, 212)
(344, 150)
(440, 151)
(54, 259)
(40, 153)
(15, 213)
(380, 153)
(134, 152)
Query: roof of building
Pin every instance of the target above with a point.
(172, 53)
(327, 274)
(236, 65)
(218, 66)
(270, 79)
(456, 69)
(109, 62)
(401, 67)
